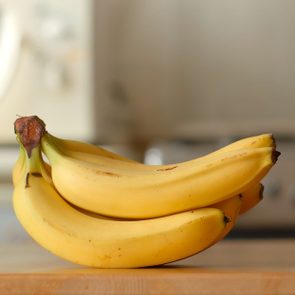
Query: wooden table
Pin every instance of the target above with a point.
(230, 267)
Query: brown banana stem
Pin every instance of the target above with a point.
(29, 130)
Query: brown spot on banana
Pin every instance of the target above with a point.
(107, 173)
(36, 174)
(167, 169)
(27, 180)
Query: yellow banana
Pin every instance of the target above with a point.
(151, 191)
(79, 149)
(94, 154)
(98, 242)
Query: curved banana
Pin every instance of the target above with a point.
(86, 240)
(151, 191)
(263, 140)
(94, 154)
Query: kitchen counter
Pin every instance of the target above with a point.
(230, 267)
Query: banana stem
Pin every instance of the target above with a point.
(29, 131)
(32, 165)
(50, 148)
(34, 161)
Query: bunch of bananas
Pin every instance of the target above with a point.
(96, 208)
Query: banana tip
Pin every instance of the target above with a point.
(275, 156)
(226, 219)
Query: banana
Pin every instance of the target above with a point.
(104, 243)
(94, 154)
(251, 197)
(120, 190)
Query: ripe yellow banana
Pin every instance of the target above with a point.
(79, 149)
(99, 242)
(152, 191)
(93, 154)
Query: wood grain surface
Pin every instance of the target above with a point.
(230, 267)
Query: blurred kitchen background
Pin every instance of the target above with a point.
(160, 81)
